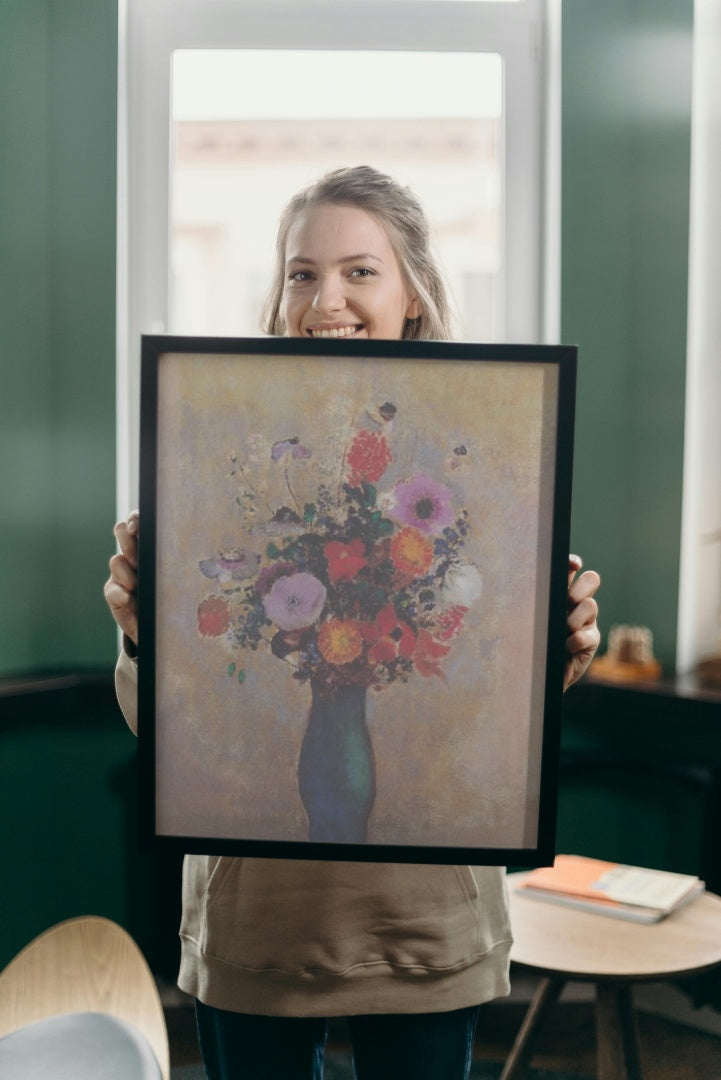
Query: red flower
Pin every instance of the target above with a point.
(391, 638)
(213, 616)
(368, 457)
(428, 654)
(344, 560)
(449, 622)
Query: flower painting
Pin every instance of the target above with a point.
(352, 588)
(348, 605)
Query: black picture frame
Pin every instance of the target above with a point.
(396, 599)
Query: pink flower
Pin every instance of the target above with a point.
(422, 503)
(295, 601)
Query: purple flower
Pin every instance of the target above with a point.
(231, 565)
(295, 601)
(422, 503)
(270, 574)
(281, 449)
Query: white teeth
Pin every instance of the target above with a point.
(335, 332)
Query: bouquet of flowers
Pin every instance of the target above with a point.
(359, 587)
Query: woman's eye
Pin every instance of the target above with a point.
(300, 276)
(362, 272)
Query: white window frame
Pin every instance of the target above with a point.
(526, 34)
(699, 597)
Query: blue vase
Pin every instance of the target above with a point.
(336, 770)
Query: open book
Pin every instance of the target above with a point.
(608, 888)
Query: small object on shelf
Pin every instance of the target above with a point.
(708, 670)
(634, 893)
(629, 657)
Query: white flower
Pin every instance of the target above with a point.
(463, 585)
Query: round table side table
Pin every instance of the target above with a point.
(564, 944)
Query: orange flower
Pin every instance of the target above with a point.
(340, 641)
(411, 552)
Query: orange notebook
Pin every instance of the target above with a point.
(631, 892)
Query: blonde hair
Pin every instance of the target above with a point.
(403, 217)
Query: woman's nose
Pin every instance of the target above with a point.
(329, 296)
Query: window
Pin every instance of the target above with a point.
(236, 161)
(227, 107)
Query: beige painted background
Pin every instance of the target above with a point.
(452, 757)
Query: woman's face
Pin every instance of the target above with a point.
(342, 277)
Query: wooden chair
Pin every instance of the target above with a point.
(90, 972)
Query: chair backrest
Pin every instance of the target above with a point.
(88, 964)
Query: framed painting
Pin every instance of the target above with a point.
(352, 597)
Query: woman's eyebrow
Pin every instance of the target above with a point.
(361, 257)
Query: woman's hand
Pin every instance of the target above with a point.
(583, 636)
(121, 587)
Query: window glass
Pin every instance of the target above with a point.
(238, 155)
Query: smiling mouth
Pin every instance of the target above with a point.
(335, 331)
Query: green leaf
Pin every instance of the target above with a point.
(241, 676)
(231, 669)
(273, 551)
(369, 494)
(309, 512)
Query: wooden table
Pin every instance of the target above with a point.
(563, 944)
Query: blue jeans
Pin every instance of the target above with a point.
(414, 1046)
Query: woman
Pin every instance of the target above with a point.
(271, 948)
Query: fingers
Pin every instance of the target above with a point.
(126, 534)
(584, 641)
(121, 587)
(120, 600)
(575, 562)
(584, 586)
(583, 636)
(123, 607)
(123, 572)
(583, 613)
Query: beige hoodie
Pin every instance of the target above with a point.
(298, 938)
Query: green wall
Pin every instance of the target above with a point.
(58, 72)
(68, 804)
(626, 146)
